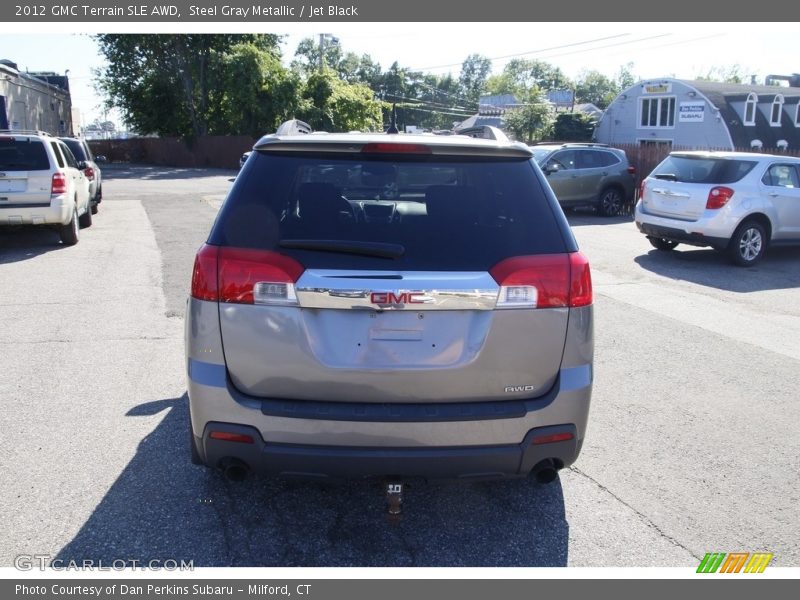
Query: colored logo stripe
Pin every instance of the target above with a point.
(711, 562)
(734, 562)
(758, 562)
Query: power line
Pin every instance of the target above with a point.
(602, 39)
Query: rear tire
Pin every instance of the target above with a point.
(85, 219)
(610, 202)
(662, 244)
(748, 244)
(96, 203)
(69, 233)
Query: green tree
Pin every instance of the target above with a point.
(592, 86)
(729, 74)
(164, 84)
(255, 93)
(330, 104)
(475, 71)
(625, 76)
(531, 121)
(521, 75)
(573, 127)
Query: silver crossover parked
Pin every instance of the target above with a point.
(388, 305)
(736, 202)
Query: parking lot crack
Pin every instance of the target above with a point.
(642, 517)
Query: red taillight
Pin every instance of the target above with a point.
(226, 436)
(554, 437)
(641, 189)
(257, 277)
(89, 172)
(59, 185)
(543, 281)
(204, 274)
(631, 169)
(718, 197)
(387, 148)
(242, 276)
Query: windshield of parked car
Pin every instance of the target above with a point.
(540, 154)
(702, 169)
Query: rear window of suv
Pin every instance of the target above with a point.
(397, 213)
(702, 169)
(77, 148)
(23, 154)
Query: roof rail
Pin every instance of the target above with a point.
(590, 144)
(26, 132)
(294, 127)
(486, 132)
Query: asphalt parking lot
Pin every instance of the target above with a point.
(693, 443)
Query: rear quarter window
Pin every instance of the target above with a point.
(701, 169)
(77, 149)
(22, 154)
(446, 213)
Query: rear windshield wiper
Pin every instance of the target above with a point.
(377, 249)
(666, 176)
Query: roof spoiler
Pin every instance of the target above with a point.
(294, 127)
(485, 132)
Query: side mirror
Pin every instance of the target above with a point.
(82, 165)
(552, 167)
(100, 158)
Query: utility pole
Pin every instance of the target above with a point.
(324, 38)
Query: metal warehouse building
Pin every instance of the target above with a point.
(705, 115)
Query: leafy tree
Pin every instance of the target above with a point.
(255, 93)
(164, 84)
(531, 121)
(730, 74)
(625, 76)
(592, 86)
(330, 104)
(521, 75)
(573, 127)
(474, 72)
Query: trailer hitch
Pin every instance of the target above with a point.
(394, 499)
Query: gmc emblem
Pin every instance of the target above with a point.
(398, 298)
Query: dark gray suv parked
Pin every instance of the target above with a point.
(389, 305)
(593, 175)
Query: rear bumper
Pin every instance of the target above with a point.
(339, 462)
(56, 212)
(320, 440)
(695, 233)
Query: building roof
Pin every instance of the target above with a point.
(722, 95)
(740, 90)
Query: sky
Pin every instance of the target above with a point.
(682, 50)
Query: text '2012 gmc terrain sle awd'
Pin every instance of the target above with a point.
(389, 306)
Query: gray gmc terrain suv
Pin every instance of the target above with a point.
(390, 306)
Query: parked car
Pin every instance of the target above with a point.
(392, 307)
(584, 174)
(243, 159)
(735, 202)
(42, 183)
(80, 149)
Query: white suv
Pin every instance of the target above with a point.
(41, 183)
(737, 202)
